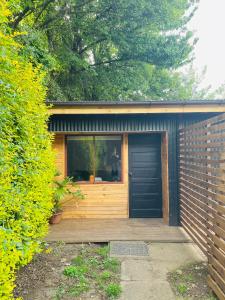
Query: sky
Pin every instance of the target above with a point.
(209, 26)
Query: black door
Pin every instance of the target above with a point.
(145, 176)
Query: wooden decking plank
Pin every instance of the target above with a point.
(104, 230)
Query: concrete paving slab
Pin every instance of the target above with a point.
(136, 270)
(146, 279)
(144, 290)
(172, 255)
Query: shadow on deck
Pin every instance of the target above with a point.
(102, 230)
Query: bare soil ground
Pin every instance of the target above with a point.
(190, 282)
(44, 278)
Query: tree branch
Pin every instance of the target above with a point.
(106, 62)
(110, 61)
(26, 12)
(44, 7)
(52, 19)
(92, 44)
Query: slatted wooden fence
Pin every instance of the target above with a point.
(202, 193)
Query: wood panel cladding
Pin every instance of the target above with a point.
(102, 200)
(59, 148)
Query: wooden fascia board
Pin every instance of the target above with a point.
(93, 110)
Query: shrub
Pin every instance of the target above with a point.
(26, 159)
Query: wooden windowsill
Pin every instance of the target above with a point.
(99, 182)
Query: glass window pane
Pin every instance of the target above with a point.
(108, 158)
(94, 155)
(80, 157)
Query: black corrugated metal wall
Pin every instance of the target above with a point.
(136, 123)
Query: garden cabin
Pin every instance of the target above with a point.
(124, 155)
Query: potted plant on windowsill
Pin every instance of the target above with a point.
(92, 161)
(62, 188)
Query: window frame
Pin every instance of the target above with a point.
(97, 134)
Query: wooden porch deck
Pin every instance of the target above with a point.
(102, 230)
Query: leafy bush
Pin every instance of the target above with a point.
(26, 159)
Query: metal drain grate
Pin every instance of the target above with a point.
(128, 248)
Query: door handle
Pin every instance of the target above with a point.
(130, 174)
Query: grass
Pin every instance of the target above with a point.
(92, 269)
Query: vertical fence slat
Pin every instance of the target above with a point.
(202, 193)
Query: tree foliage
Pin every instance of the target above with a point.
(26, 160)
(106, 49)
(185, 85)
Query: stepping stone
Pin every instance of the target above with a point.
(130, 249)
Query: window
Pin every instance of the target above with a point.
(99, 156)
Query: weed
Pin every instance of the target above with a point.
(84, 251)
(56, 251)
(78, 261)
(102, 251)
(182, 289)
(60, 292)
(92, 267)
(101, 285)
(212, 297)
(75, 271)
(190, 282)
(188, 278)
(93, 261)
(105, 276)
(111, 264)
(93, 274)
(113, 290)
(81, 287)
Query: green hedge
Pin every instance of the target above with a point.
(26, 159)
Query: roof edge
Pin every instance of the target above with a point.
(136, 103)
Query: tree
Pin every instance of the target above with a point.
(181, 85)
(105, 49)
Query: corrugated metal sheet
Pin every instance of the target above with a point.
(110, 124)
(135, 123)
